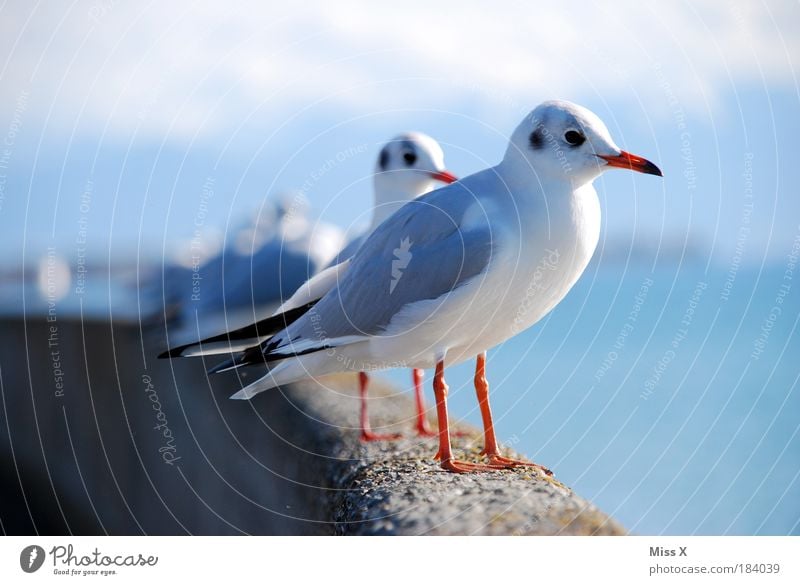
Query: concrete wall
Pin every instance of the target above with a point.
(97, 436)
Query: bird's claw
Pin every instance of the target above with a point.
(426, 431)
(508, 462)
(456, 466)
(368, 436)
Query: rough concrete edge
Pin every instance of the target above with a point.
(395, 488)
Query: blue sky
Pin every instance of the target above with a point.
(131, 109)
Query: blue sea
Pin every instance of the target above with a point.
(668, 397)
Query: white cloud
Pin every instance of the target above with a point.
(204, 68)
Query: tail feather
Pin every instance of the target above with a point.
(289, 371)
(249, 357)
(240, 339)
(227, 365)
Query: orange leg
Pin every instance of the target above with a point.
(445, 453)
(490, 448)
(423, 427)
(366, 430)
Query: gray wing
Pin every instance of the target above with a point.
(419, 253)
(348, 251)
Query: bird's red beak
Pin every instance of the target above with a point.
(444, 176)
(626, 160)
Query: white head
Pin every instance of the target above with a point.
(560, 139)
(409, 165)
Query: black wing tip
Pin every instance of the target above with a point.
(175, 352)
(277, 356)
(220, 367)
(268, 326)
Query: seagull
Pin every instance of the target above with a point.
(488, 256)
(229, 290)
(288, 250)
(409, 165)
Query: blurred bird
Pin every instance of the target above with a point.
(261, 265)
(408, 166)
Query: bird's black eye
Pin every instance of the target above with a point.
(410, 158)
(536, 139)
(574, 138)
(383, 160)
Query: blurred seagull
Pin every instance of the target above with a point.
(408, 166)
(490, 256)
(263, 263)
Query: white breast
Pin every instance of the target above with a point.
(538, 257)
(528, 280)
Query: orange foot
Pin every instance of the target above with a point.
(424, 429)
(368, 436)
(456, 466)
(508, 462)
